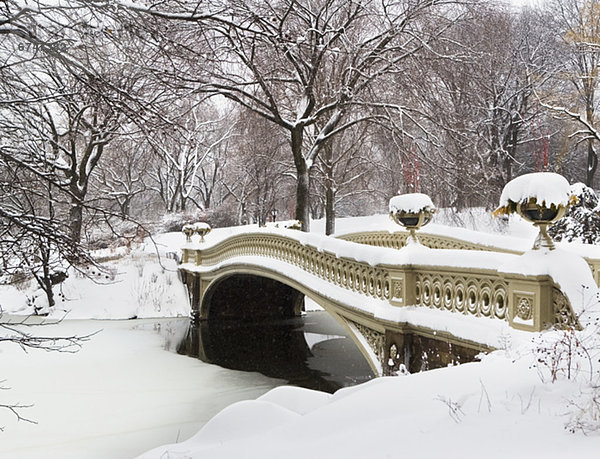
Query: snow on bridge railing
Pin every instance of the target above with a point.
(530, 292)
(397, 240)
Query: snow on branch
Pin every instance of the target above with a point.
(591, 130)
(16, 332)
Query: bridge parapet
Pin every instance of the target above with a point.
(445, 280)
(345, 272)
(397, 240)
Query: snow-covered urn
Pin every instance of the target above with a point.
(540, 198)
(188, 230)
(412, 210)
(202, 228)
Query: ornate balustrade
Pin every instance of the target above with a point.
(343, 272)
(526, 302)
(397, 240)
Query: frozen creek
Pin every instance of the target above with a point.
(127, 391)
(120, 395)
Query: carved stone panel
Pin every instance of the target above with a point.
(563, 313)
(375, 340)
(397, 290)
(524, 310)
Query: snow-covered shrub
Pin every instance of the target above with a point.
(573, 355)
(473, 218)
(150, 291)
(19, 279)
(585, 411)
(562, 354)
(139, 261)
(582, 221)
(224, 215)
(175, 222)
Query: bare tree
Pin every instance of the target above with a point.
(271, 57)
(65, 96)
(259, 176)
(123, 175)
(577, 22)
(344, 171)
(473, 103)
(33, 240)
(185, 150)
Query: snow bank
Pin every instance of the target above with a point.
(139, 284)
(297, 399)
(459, 407)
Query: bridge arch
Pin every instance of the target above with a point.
(247, 296)
(236, 280)
(206, 291)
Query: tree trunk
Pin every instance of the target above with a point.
(76, 219)
(303, 199)
(303, 180)
(182, 200)
(329, 191)
(330, 212)
(592, 164)
(125, 206)
(46, 281)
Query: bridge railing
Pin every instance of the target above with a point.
(474, 286)
(345, 272)
(397, 240)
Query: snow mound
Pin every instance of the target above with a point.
(547, 188)
(244, 419)
(239, 421)
(296, 399)
(411, 203)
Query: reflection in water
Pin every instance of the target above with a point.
(311, 351)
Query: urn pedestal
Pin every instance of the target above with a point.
(541, 217)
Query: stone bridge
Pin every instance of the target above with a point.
(391, 297)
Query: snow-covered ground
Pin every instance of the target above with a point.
(120, 395)
(498, 408)
(123, 393)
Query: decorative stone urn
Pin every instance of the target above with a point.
(412, 210)
(542, 217)
(188, 230)
(540, 198)
(202, 228)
